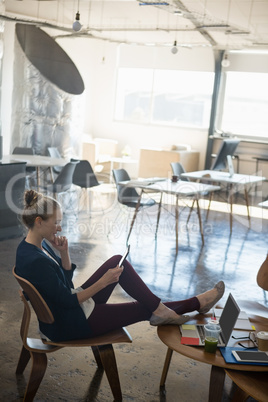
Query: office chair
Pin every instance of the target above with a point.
(63, 183)
(129, 196)
(36, 350)
(85, 178)
(177, 170)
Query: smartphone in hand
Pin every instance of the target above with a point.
(124, 256)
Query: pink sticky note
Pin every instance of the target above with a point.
(189, 341)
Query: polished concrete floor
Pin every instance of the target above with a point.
(97, 234)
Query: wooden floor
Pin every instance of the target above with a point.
(96, 234)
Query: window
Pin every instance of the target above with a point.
(245, 105)
(166, 97)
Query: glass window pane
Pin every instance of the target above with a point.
(166, 97)
(182, 98)
(245, 109)
(133, 95)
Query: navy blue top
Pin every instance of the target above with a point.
(54, 283)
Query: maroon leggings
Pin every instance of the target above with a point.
(108, 316)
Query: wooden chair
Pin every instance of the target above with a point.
(249, 383)
(37, 349)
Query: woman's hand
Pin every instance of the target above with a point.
(112, 275)
(60, 243)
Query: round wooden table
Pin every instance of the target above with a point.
(170, 335)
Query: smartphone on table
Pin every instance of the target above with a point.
(250, 356)
(124, 256)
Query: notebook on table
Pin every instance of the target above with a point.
(194, 334)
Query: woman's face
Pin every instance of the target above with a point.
(52, 225)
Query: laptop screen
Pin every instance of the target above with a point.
(228, 318)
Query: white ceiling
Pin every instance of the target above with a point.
(222, 24)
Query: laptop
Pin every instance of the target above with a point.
(194, 334)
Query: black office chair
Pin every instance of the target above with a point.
(30, 170)
(84, 177)
(129, 196)
(63, 183)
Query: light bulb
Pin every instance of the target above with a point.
(77, 26)
(225, 62)
(174, 50)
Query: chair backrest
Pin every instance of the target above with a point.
(84, 175)
(23, 151)
(64, 180)
(54, 153)
(178, 169)
(39, 305)
(125, 194)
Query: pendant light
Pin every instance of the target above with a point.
(77, 26)
(225, 61)
(174, 49)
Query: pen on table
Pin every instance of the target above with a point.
(213, 317)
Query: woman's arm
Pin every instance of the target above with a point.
(262, 276)
(60, 243)
(111, 276)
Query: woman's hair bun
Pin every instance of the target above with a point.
(30, 197)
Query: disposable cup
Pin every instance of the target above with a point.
(262, 339)
(212, 333)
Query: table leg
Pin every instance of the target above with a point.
(209, 203)
(177, 223)
(134, 216)
(158, 214)
(191, 209)
(200, 221)
(166, 367)
(231, 207)
(247, 204)
(217, 377)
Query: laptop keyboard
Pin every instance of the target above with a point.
(201, 332)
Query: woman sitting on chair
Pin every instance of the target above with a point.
(84, 312)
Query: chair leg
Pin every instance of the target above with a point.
(23, 360)
(109, 363)
(240, 396)
(96, 353)
(39, 365)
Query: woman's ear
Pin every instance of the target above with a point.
(38, 220)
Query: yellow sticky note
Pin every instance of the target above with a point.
(188, 326)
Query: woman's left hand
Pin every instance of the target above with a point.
(60, 243)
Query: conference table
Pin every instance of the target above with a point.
(224, 178)
(170, 335)
(37, 161)
(180, 189)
